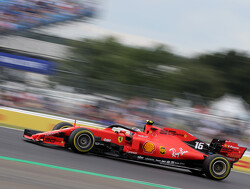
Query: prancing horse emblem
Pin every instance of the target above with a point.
(120, 139)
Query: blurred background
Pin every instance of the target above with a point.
(116, 62)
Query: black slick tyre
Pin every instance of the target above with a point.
(217, 167)
(81, 140)
(62, 125)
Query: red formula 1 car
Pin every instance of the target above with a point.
(166, 146)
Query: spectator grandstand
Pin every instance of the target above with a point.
(17, 15)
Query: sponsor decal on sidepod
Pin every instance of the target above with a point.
(177, 154)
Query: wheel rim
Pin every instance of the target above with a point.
(219, 167)
(83, 141)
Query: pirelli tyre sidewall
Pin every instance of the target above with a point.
(81, 140)
(62, 125)
(217, 167)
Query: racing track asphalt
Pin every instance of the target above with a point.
(12, 145)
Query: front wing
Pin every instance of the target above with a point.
(46, 139)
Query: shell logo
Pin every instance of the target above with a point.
(148, 147)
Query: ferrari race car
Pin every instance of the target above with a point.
(162, 146)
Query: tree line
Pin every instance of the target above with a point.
(108, 66)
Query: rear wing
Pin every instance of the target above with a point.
(227, 148)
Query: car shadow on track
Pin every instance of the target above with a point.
(47, 145)
(155, 166)
(138, 163)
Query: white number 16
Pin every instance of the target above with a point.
(199, 145)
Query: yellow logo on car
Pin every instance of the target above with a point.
(148, 147)
(120, 139)
(162, 150)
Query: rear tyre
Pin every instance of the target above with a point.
(217, 167)
(62, 125)
(81, 140)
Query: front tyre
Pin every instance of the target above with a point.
(81, 140)
(217, 167)
(62, 125)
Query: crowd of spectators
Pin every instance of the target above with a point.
(132, 113)
(25, 14)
